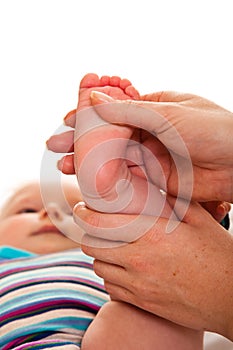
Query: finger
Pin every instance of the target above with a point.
(117, 292)
(155, 117)
(70, 118)
(217, 209)
(192, 212)
(223, 209)
(116, 227)
(196, 215)
(127, 112)
(166, 96)
(102, 252)
(66, 164)
(110, 272)
(61, 143)
(100, 243)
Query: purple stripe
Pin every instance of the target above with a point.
(45, 265)
(51, 304)
(42, 280)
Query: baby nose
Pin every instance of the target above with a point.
(52, 212)
(43, 213)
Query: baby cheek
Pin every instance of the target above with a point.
(13, 230)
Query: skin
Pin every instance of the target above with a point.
(101, 153)
(205, 128)
(177, 275)
(204, 247)
(25, 224)
(135, 277)
(123, 326)
(124, 93)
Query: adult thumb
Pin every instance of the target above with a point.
(154, 117)
(139, 114)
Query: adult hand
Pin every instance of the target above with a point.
(64, 143)
(184, 276)
(205, 128)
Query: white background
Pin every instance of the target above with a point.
(46, 46)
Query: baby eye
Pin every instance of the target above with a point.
(27, 210)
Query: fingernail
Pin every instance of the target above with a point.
(222, 210)
(80, 205)
(69, 119)
(98, 97)
(60, 163)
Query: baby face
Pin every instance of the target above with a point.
(25, 224)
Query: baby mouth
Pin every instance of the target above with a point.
(48, 229)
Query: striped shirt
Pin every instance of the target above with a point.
(48, 301)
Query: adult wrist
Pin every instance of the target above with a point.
(227, 330)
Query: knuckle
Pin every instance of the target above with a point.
(110, 289)
(97, 267)
(93, 220)
(136, 263)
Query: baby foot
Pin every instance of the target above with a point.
(118, 88)
(92, 134)
(108, 157)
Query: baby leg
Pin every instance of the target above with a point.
(122, 326)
